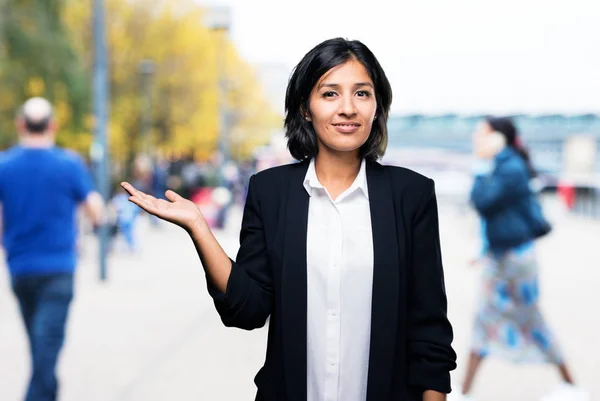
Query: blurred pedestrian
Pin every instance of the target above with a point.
(125, 215)
(41, 187)
(509, 322)
(143, 172)
(341, 252)
(160, 176)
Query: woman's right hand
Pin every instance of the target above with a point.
(175, 209)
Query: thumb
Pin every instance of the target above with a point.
(172, 196)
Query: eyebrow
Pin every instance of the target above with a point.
(358, 84)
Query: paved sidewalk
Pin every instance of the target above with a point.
(150, 333)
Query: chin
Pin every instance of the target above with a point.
(347, 144)
(344, 149)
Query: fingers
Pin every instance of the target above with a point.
(136, 193)
(143, 203)
(129, 188)
(172, 196)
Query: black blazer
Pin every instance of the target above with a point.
(410, 333)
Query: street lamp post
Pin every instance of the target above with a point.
(218, 19)
(99, 150)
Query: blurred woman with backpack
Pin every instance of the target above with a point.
(509, 323)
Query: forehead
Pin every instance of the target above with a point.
(350, 72)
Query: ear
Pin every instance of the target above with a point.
(20, 125)
(305, 113)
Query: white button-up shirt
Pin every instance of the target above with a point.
(340, 285)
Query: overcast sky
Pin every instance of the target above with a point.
(463, 56)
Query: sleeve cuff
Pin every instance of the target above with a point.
(439, 382)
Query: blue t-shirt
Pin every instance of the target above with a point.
(40, 189)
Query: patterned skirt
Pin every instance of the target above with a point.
(509, 323)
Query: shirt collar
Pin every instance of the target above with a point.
(311, 181)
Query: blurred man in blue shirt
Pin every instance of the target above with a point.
(41, 187)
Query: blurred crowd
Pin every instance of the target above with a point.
(214, 186)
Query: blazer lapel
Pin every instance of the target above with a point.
(386, 277)
(294, 286)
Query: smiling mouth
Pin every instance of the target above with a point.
(346, 128)
(350, 125)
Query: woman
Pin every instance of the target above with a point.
(509, 323)
(342, 253)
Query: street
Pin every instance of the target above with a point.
(151, 333)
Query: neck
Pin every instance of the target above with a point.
(37, 141)
(337, 171)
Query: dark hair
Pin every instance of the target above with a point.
(302, 142)
(506, 127)
(35, 126)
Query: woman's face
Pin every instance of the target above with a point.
(486, 142)
(483, 129)
(342, 108)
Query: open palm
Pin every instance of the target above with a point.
(175, 209)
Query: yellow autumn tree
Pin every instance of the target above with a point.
(184, 87)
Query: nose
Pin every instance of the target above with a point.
(347, 106)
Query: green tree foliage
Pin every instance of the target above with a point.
(37, 59)
(46, 49)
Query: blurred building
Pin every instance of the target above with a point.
(546, 136)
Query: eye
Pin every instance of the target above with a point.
(363, 93)
(329, 94)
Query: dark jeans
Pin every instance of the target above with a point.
(44, 303)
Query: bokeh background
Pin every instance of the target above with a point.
(192, 100)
